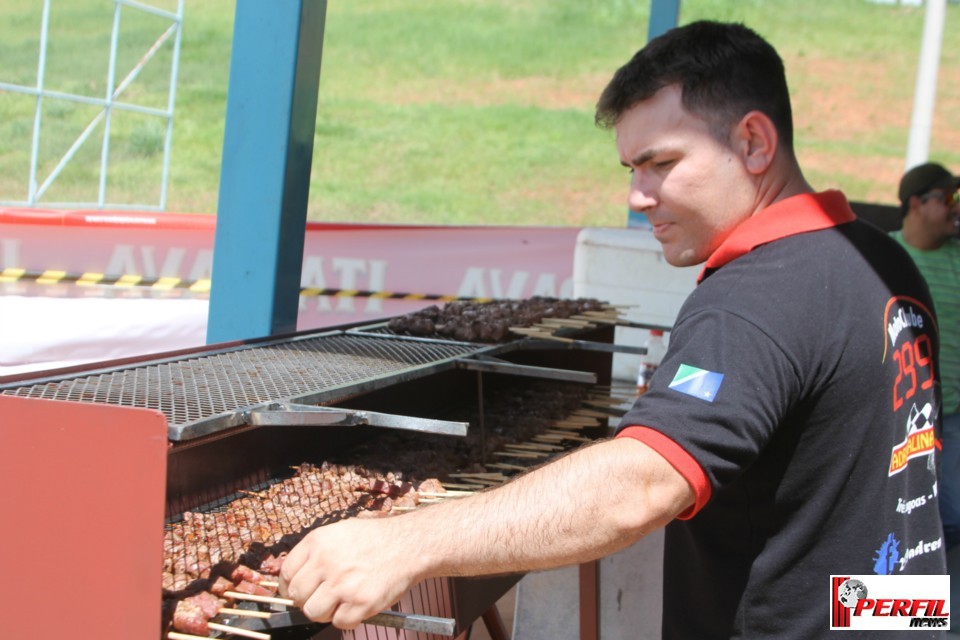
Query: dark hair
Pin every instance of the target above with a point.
(724, 71)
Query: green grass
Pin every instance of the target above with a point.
(461, 111)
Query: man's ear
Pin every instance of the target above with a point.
(756, 139)
(913, 204)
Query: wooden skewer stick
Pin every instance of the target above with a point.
(567, 322)
(532, 447)
(621, 395)
(269, 584)
(445, 494)
(600, 319)
(249, 613)
(176, 635)
(554, 337)
(624, 390)
(469, 487)
(547, 438)
(490, 482)
(570, 436)
(578, 421)
(519, 454)
(531, 331)
(489, 476)
(504, 465)
(528, 331)
(614, 412)
(590, 413)
(537, 333)
(236, 595)
(573, 438)
(554, 438)
(587, 421)
(577, 426)
(583, 418)
(605, 401)
(402, 508)
(238, 631)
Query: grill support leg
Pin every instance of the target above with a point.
(494, 623)
(590, 600)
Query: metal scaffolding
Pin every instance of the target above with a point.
(38, 186)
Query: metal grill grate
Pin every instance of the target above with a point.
(196, 389)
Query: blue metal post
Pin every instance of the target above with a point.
(664, 15)
(265, 172)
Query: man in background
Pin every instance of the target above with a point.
(930, 206)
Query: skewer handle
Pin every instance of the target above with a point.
(248, 613)
(237, 631)
(236, 595)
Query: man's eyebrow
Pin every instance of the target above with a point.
(643, 158)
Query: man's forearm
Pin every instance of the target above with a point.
(586, 505)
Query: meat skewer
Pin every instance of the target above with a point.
(489, 321)
(193, 614)
(250, 535)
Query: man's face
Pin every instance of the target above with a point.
(940, 212)
(693, 189)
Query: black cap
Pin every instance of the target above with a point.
(924, 178)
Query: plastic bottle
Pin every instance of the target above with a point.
(651, 360)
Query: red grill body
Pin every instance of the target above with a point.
(92, 477)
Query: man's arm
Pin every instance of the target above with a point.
(583, 506)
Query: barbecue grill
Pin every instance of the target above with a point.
(98, 460)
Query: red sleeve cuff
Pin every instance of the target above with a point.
(682, 461)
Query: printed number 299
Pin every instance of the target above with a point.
(915, 367)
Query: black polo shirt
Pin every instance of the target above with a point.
(798, 397)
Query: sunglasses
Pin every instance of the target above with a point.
(948, 199)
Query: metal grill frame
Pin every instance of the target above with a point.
(214, 390)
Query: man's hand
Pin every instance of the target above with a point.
(348, 571)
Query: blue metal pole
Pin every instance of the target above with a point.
(664, 15)
(265, 172)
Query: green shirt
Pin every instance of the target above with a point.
(941, 269)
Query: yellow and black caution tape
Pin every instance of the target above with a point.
(202, 285)
(89, 279)
(385, 295)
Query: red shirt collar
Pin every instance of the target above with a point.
(788, 217)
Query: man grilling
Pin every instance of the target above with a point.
(774, 442)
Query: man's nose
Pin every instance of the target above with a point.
(642, 196)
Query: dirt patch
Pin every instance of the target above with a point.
(853, 134)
